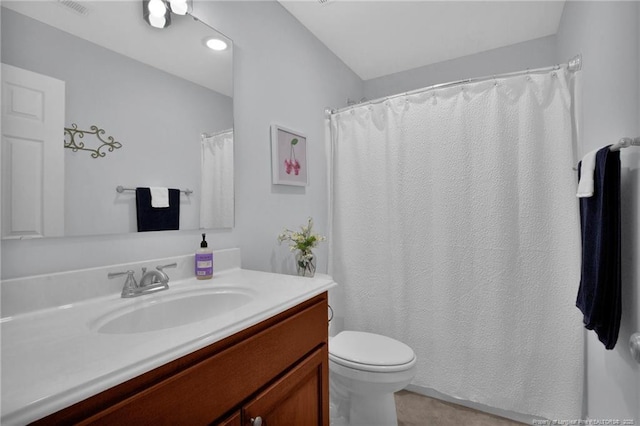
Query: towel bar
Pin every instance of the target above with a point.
(625, 143)
(622, 143)
(121, 189)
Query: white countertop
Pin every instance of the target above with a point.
(53, 358)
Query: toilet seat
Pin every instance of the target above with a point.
(370, 352)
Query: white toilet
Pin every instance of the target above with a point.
(365, 370)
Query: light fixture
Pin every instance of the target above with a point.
(180, 7)
(156, 13)
(158, 21)
(216, 44)
(156, 8)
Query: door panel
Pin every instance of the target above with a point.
(32, 154)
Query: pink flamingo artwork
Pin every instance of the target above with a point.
(291, 164)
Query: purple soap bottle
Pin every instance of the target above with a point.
(204, 261)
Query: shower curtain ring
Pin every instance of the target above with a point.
(528, 74)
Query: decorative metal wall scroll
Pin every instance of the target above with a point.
(74, 132)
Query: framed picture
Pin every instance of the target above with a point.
(288, 157)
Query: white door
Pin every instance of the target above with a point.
(33, 108)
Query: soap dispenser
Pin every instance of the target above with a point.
(204, 261)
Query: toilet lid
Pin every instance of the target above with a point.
(370, 349)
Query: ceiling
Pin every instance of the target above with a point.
(372, 37)
(376, 38)
(118, 25)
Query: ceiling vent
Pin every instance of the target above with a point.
(74, 6)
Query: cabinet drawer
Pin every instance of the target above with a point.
(207, 390)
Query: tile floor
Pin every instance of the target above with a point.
(418, 410)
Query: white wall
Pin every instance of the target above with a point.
(283, 74)
(606, 33)
(536, 53)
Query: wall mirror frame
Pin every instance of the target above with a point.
(161, 94)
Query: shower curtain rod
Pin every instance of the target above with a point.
(573, 65)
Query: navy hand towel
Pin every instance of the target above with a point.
(157, 219)
(600, 282)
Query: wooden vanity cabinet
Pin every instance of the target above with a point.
(276, 370)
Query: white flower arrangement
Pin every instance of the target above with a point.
(303, 242)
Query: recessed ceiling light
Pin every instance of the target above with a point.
(216, 44)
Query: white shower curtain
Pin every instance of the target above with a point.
(217, 201)
(454, 228)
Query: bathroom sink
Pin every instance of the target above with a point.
(168, 311)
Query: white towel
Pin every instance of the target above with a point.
(159, 196)
(585, 186)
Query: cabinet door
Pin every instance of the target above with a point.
(300, 397)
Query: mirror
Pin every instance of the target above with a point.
(161, 94)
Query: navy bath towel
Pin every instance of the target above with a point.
(600, 283)
(157, 219)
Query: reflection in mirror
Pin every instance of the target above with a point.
(160, 93)
(216, 206)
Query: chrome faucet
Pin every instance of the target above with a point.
(154, 277)
(151, 281)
